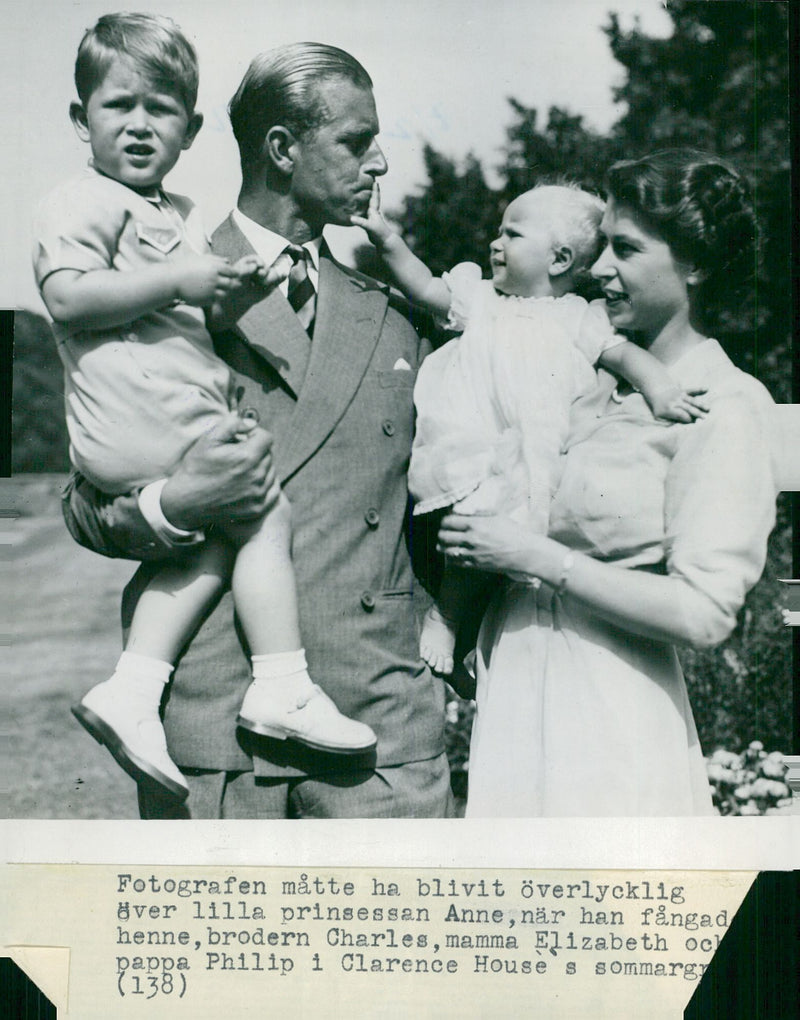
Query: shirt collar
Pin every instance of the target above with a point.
(269, 245)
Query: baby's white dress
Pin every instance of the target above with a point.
(493, 405)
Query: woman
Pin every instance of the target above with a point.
(657, 530)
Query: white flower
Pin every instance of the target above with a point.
(743, 792)
(756, 745)
(773, 769)
(750, 808)
(726, 758)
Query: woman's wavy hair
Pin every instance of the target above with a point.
(703, 208)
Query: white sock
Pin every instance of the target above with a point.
(142, 674)
(283, 672)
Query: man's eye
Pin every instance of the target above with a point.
(358, 146)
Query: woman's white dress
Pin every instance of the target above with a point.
(574, 715)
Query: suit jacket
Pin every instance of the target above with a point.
(341, 411)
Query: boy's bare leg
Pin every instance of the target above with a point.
(282, 701)
(124, 711)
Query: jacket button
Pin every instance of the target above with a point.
(372, 517)
(388, 427)
(368, 601)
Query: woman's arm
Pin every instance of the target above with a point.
(719, 508)
(657, 607)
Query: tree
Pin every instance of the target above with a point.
(39, 433)
(721, 82)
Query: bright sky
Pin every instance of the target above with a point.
(442, 69)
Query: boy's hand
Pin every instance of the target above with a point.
(203, 279)
(676, 404)
(378, 230)
(248, 267)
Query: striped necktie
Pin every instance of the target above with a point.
(301, 293)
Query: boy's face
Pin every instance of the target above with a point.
(522, 254)
(137, 129)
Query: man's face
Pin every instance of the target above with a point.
(336, 164)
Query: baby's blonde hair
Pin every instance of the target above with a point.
(576, 216)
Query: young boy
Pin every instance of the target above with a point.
(124, 269)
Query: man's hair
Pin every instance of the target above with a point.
(153, 44)
(281, 86)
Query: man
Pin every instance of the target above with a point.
(338, 403)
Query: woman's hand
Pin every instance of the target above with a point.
(495, 544)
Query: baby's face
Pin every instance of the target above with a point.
(521, 254)
(136, 128)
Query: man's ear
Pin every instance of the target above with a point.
(77, 114)
(194, 125)
(562, 260)
(277, 149)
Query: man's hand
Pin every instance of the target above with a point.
(225, 476)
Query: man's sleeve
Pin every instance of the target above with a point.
(110, 525)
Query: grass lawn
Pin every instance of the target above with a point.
(62, 635)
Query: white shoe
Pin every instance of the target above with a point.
(313, 720)
(131, 729)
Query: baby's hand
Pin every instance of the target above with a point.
(203, 279)
(378, 230)
(676, 404)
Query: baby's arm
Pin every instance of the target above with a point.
(101, 298)
(647, 374)
(412, 275)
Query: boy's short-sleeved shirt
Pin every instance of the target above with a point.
(137, 395)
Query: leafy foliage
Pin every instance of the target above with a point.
(39, 434)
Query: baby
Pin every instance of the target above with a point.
(124, 269)
(476, 449)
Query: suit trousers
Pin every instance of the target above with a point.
(419, 789)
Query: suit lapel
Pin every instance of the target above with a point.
(267, 322)
(324, 374)
(349, 318)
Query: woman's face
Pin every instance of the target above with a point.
(645, 286)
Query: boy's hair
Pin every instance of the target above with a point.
(154, 44)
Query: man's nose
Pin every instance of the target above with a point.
(375, 164)
(495, 245)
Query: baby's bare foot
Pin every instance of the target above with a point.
(437, 641)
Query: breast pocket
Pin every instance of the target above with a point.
(160, 239)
